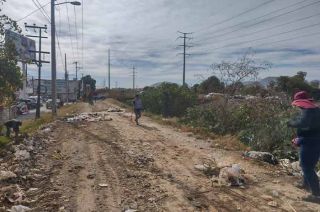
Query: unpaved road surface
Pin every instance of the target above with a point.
(116, 166)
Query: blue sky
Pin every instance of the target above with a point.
(142, 33)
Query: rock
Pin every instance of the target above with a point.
(262, 156)
(6, 175)
(231, 176)
(152, 199)
(19, 208)
(200, 167)
(22, 155)
(273, 204)
(267, 197)
(103, 185)
(275, 193)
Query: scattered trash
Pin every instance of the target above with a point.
(103, 185)
(19, 208)
(231, 176)
(318, 173)
(130, 210)
(6, 175)
(275, 193)
(22, 155)
(114, 110)
(90, 117)
(291, 168)
(273, 204)
(208, 167)
(262, 156)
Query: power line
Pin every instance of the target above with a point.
(69, 28)
(254, 24)
(82, 52)
(273, 27)
(45, 14)
(266, 37)
(40, 7)
(76, 30)
(238, 15)
(36, 10)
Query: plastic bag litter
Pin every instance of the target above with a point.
(19, 208)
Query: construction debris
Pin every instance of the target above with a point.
(231, 176)
(114, 110)
(89, 117)
(291, 168)
(19, 208)
(5, 175)
(262, 156)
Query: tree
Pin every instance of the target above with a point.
(291, 85)
(315, 83)
(231, 73)
(212, 84)
(87, 80)
(10, 75)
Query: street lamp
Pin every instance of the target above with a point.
(53, 54)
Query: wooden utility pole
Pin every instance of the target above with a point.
(39, 61)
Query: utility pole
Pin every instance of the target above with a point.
(77, 69)
(133, 79)
(39, 61)
(184, 37)
(66, 76)
(109, 85)
(53, 60)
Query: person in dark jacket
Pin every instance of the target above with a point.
(308, 139)
(137, 107)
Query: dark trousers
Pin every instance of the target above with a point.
(309, 156)
(137, 112)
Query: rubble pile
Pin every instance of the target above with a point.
(262, 156)
(17, 173)
(89, 117)
(292, 168)
(114, 110)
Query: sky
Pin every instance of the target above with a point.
(144, 34)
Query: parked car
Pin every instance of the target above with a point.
(31, 104)
(49, 103)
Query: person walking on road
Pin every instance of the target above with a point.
(308, 140)
(137, 107)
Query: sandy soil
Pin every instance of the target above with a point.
(116, 166)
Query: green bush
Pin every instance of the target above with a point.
(259, 124)
(168, 99)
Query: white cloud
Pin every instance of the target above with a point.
(143, 33)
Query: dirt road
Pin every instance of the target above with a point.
(117, 166)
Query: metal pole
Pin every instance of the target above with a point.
(109, 85)
(39, 78)
(133, 80)
(184, 59)
(66, 77)
(53, 60)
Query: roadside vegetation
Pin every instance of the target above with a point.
(251, 115)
